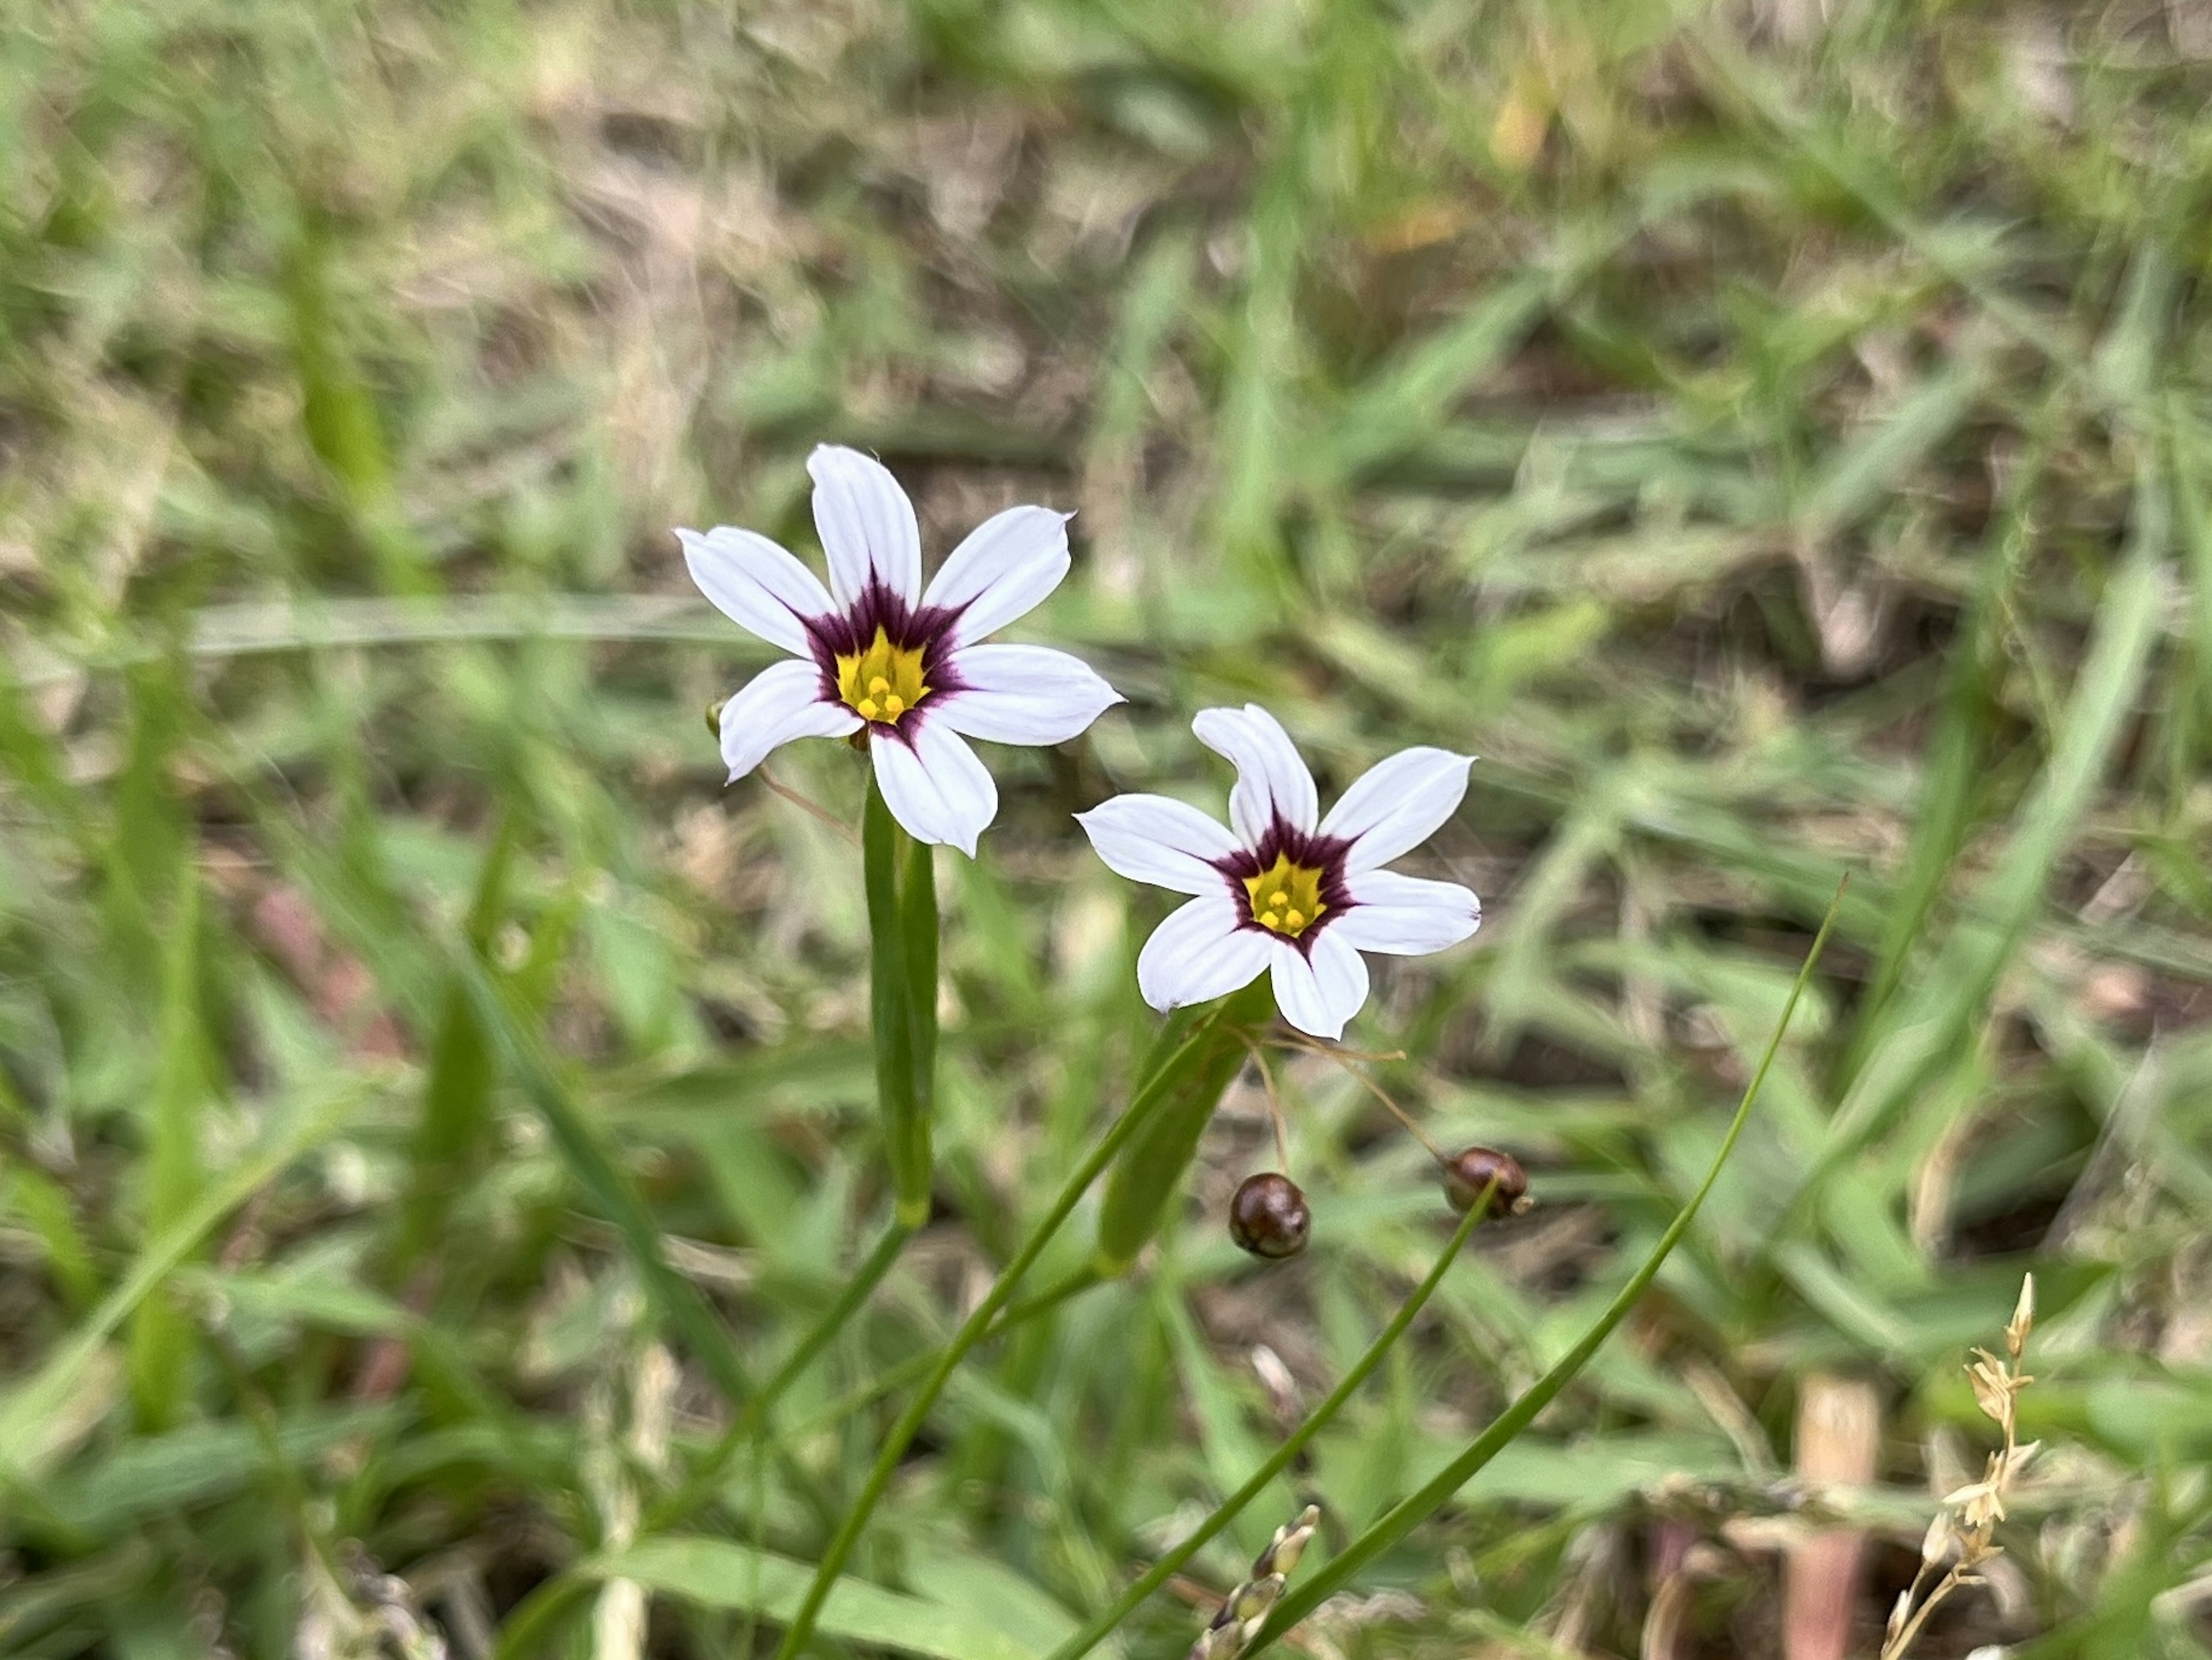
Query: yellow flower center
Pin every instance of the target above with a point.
(1285, 898)
(883, 682)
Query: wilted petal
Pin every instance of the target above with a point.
(1007, 565)
(1320, 988)
(1272, 781)
(1397, 805)
(1406, 915)
(756, 584)
(866, 525)
(782, 702)
(1022, 694)
(1150, 838)
(1198, 954)
(934, 785)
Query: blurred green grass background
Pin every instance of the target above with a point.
(1774, 437)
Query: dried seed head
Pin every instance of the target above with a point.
(1980, 1504)
(1937, 1545)
(1992, 1387)
(1268, 1216)
(1898, 1612)
(1472, 1170)
(1240, 1617)
(2023, 1318)
(1291, 1540)
(1969, 1519)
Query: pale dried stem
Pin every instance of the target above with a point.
(1274, 1106)
(807, 804)
(1345, 1058)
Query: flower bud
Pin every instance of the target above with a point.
(714, 719)
(1268, 1216)
(1467, 1176)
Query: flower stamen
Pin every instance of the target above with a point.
(1285, 898)
(882, 682)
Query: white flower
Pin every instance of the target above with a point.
(1289, 890)
(876, 654)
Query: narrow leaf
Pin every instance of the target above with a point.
(161, 1338)
(1409, 1512)
(25, 1407)
(718, 1573)
(678, 1302)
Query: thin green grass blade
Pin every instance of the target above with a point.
(753, 1419)
(678, 1301)
(1149, 1175)
(26, 1407)
(1863, 474)
(44, 1204)
(720, 1573)
(1409, 1512)
(1259, 422)
(2193, 522)
(160, 1336)
(456, 1125)
(1923, 1030)
(351, 900)
(979, 1325)
(30, 755)
(1740, 83)
(344, 427)
(1171, 1561)
(1954, 771)
(526, 1628)
(1405, 401)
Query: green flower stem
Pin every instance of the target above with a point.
(918, 929)
(1409, 1512)
(974, 1329)
(1078, 1281)
(1158, 1574)
(902, 1002)
(523, 1632)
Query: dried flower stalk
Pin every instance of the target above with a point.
(1969, 1517)
(1249, 1605)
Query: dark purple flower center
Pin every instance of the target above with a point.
(884, 658)
(1291, 885)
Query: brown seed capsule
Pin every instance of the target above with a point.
(1474, 1169)
(1268, 1216)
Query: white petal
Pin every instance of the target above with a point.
(866, 524)
(1007, 565)
(1022, 694)
(756, 584)
(782, 702)
(1272, 781)
(1318, 994)
(1149, 838)
(1398, 804)
(934, 785)
(1198, 954)
(1406, 915)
